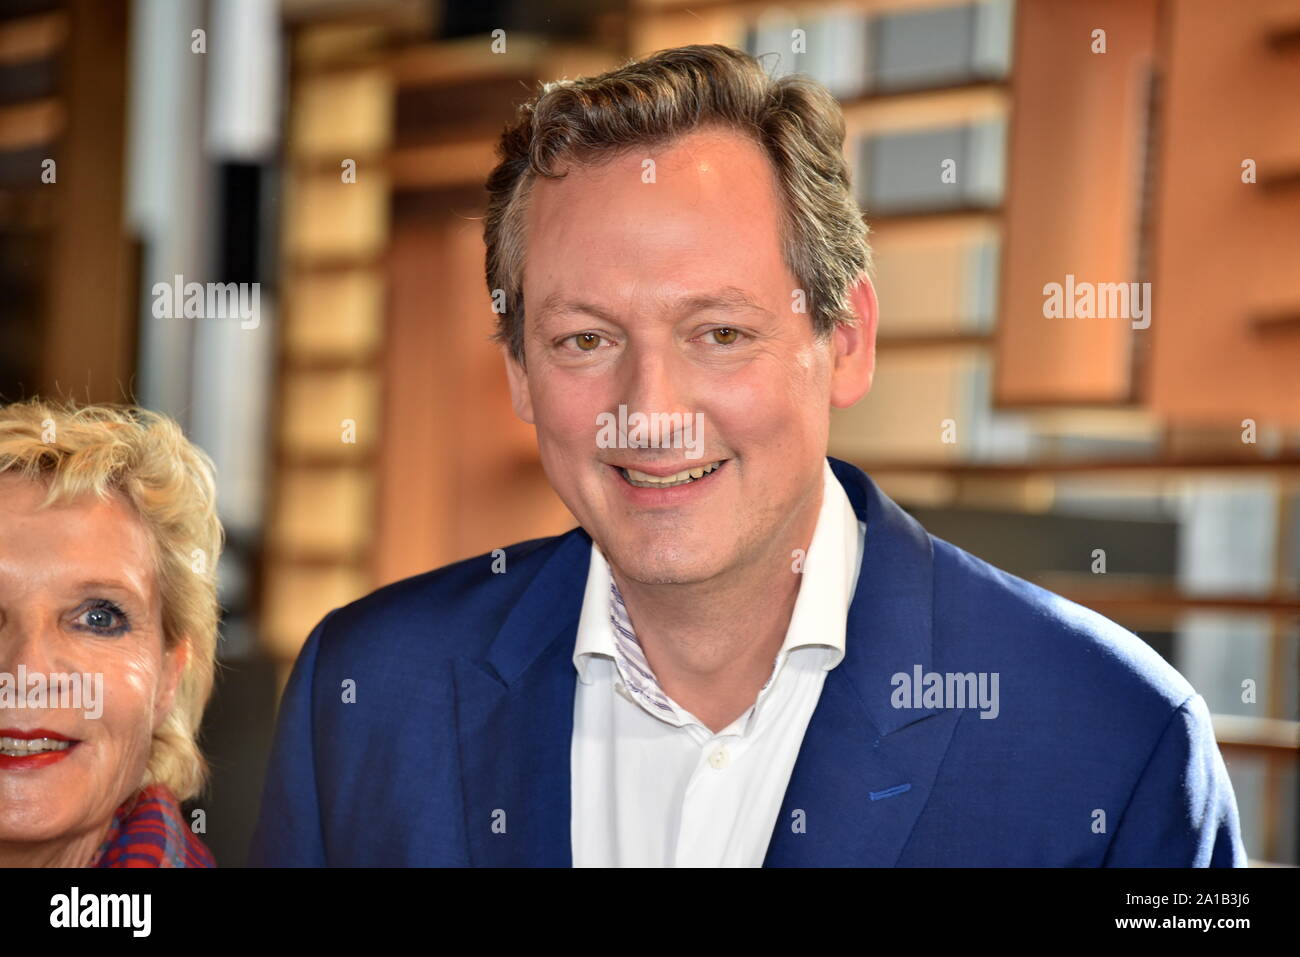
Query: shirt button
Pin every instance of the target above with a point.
(718, 759)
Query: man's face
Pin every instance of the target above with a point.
(671, 296)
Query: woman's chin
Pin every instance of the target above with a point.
(49, 829)
(37, 815)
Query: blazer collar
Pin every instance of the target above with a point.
(514, 721)
(550, 604)
(866, 768)
(891, 617)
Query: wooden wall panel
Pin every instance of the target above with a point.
(1075, 176)
(1227, 277)
(92, 263)
(459, 472)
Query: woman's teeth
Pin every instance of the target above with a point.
(18, 747)
(645, 480)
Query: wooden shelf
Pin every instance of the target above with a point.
(300, 264)
(1282, 322)
(1283, 36)
(33, 37)
(1269, 736)
(305, 362)
(529, 57)
(955, 340)
(31, 124)
(963, 214)
(1116, 602)
(442, 165)
(1284, 463)
(317, 558)
(360, 458)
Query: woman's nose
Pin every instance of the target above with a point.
(28, 640)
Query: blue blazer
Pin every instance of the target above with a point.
(430, 724)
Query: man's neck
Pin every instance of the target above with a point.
(711, 644)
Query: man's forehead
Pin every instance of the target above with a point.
(682, 303)
(698, 234)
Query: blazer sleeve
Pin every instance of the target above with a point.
(1182, 812)
(288, 832)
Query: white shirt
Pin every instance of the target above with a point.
(651, 785)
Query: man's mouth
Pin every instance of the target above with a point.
(685, 477)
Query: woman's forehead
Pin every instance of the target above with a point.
(86, 539)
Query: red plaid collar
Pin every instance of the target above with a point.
(149, 831)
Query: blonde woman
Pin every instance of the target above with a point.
(108, 627)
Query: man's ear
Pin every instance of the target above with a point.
(855, 348)
(173, 667)
(520, 397)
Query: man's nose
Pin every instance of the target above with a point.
(658, 382)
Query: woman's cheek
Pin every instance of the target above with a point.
(131, 690)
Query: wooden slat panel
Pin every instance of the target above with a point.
(335, 314)
(1227, 251)
(459, 472)
(330, 218)
(317, 403)
(25, 125)
(92, 262)
(325, 510)
(298, 597)
(1073, 201)
(912, 394)
(342, 114)
(32, 38)
(925, 275)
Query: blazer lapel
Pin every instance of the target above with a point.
(865, 768)
(514, 716)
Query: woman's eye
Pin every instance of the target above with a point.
(103, 617)
(725, 336)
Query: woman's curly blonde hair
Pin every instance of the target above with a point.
(144, 456)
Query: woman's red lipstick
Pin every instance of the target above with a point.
(10, 761)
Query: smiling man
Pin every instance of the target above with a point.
(746, 654)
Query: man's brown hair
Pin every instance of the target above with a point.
(651, 102)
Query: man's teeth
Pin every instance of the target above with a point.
(645, 480)
(20, 747)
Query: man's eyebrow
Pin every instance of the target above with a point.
(731, 298)
(555, 304)
(728, 297)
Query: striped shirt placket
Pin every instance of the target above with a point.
(636, 671)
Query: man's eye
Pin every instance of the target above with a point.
(586, 341)
(725, 336)
(103, 617)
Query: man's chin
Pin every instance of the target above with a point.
(668, 563)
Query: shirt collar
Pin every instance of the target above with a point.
(830, 573)
(595, 636)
